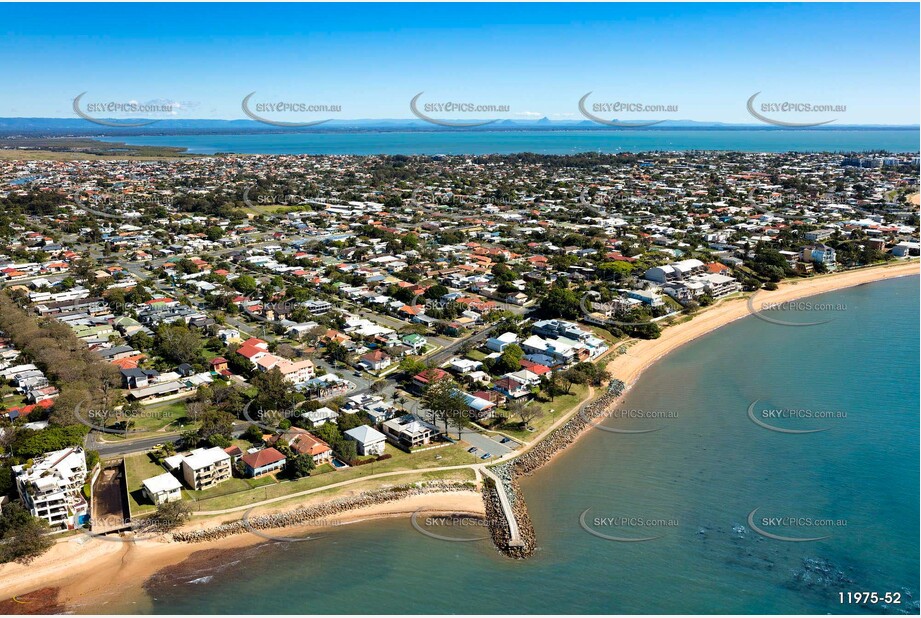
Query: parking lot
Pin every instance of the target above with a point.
(486, 444)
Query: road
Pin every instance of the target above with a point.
(128, 446)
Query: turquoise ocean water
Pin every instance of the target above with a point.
(541, 142)
(693, 482)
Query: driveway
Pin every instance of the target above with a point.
(484, 443)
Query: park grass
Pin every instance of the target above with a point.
(462, 475)
(453, 455)
(159, 416)
(553, 411)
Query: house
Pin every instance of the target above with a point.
(820, 253)
(263, 462)
(138, 378)
(512, 388)
(375, 360)
(415, 341)
(423, 379)
(253, 349)
(479, 407)
(205, 468)
(162, 488)
(409, 431)
(51, 487)
(305, 443)
(321, 416)
(819, 235)
(219, 364)
(464, 365)
(369, 441)
(498, 344)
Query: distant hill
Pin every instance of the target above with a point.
(79, 127)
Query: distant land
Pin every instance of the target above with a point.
(78, 127)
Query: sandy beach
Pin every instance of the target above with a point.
(639, 356)
(84, 572)
(88, 572)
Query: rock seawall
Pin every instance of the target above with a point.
(319, 512)
(525, 465)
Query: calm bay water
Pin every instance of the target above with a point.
(541, 142)
(705, 470)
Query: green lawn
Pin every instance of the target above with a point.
(476, 355)
(466, 475)
(553, 411)
(166, 416)
(138, 468)
(449, 456)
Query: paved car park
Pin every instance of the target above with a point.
(486, 444)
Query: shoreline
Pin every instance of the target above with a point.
(121, 566)
(628, 367)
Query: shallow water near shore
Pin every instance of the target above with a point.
(693, 482)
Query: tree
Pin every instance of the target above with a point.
(216, 424)
(445, 401)
(300, 466)
(253, 434)
(529, 413)
(347, 449)
(510, 360)
(179, 343)
(22, 536)
(214, 233)
(245, 284)
(275, 392)
(573, 376)
(560, 302)
(336, 351)
(169, 515)
(410, 366)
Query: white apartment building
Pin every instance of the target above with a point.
(51, 488)
(204, 468)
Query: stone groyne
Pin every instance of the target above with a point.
(319, 514)
(525, 464)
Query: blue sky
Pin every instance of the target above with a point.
(538, 59)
